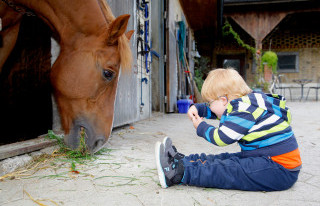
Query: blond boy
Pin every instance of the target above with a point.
(269, 159)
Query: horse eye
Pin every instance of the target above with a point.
(108, 74)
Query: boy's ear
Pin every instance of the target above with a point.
(225, 100)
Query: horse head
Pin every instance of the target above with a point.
(85, 78)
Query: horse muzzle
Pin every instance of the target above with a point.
(83, 131)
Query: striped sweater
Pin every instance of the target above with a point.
(259, 122)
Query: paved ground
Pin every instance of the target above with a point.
(126, 175)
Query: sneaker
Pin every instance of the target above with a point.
(171, 150)
(169, 172)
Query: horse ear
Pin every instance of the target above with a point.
(129, 34)
(117, 28)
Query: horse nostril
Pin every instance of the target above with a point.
(98, 143)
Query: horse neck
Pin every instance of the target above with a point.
(71, 20)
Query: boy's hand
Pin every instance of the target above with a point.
(192, 112)
(196, 120)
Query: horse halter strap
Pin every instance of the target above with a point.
(19, 9)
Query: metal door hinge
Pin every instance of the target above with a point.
(165, 14)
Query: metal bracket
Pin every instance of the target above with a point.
(165, 14)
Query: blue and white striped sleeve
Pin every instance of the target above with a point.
(205, 111)
(235, 126)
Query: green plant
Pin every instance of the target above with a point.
(77, 155)
(201, 66)
(258, 79)
(227, 29)
(266, 86)
(198, 79)
(270, 58)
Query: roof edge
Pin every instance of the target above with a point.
(252, 2)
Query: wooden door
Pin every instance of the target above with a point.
(171, 60)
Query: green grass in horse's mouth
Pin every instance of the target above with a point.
(79, 154)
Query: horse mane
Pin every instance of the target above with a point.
(123, 42)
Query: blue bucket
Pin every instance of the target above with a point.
(183, 105)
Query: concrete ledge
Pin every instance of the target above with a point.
(18, 148)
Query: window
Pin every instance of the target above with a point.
(288, 62)
(234, 63)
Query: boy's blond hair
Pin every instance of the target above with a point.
(224, 82)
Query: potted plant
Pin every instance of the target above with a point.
(269, 63)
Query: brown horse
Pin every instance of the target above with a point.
(93, 46)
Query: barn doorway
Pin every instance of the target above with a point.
(237, 61)
(25, 89)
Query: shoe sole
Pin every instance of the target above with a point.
(161, 174)
(164, 142)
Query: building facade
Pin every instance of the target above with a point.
(289, 28)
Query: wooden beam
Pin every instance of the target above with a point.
(200, 14)
(258, 24)
(18, 148)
